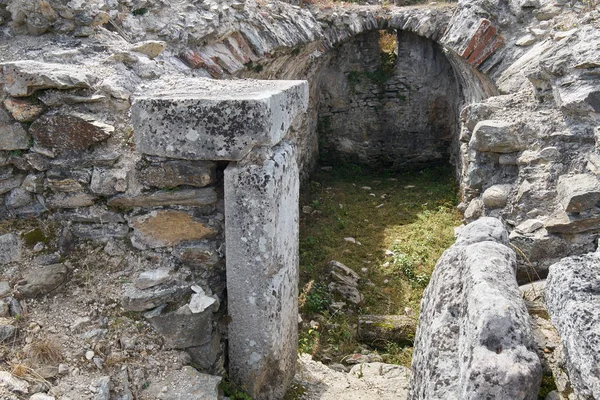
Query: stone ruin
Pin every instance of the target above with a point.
(125, 127)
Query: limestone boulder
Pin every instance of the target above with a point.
(22, 78)
(497, 137)
(184, 328)
(10, 248)
(474, 338)
(42, 280)
(573, 300)
(496, 196)
(577, 193)
(177, 173)
(186, 383)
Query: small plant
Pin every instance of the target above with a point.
(232, 391)
(316, 299)
(45, 351)
(309, 341)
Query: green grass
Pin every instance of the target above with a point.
(412, 215)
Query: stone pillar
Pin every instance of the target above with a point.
(245, 122)
(261, 230)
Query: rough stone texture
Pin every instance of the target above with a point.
(168, 228)
(496, 136)
(183, 385)
(10, 248)
(176, 173)
(13, 137)
(578, 193)
(22, 78)
(573, 300)
(473, 339)
(203, 120)
(367, 381)
(23, 110)
(261, 233)
(141, 300)
(42, 280)
(496, 196)
(183, 328)
(68, 133)
(190, 197)
(393, 118)
(386, 328)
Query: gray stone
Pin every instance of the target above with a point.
(176, 173)
(563, 222)
(182, 328)
(95, 214)
(184, 384)
(103, 388)
(6, 185)
(42, 280)
(261, 231)
(573, 300)
(13, 137)
(33, 183)
(4, 288)
(497, 137)
(25, 77)
(10, 248)
(108, 181)
(496, 196)
(70, 200)
(216, 120)
(474, 210)
(187, 197)
(100, 232)
(529, 226)
(577, 193)
(153, 277)
(18, 198)
(473, 339)
(7, 331)
(141, 300)
(207, 355)
(23, 110)
(383, 329)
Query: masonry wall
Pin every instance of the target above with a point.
(375, 112)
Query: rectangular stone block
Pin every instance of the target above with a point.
(261, 231)
(204, 119)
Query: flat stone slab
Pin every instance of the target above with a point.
(204, 119)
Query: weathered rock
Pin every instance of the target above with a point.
(8, 184)
(187, 197)
(496, 196)
(151, 48)
(103, 388)
(95, 214)
(42, 280)
(564, 222)
(23, 110)
(497, 137)
(25, 77)
(474, 210)
(386, 328)
(176, 173)
(261, 230)
(108, 181)
(10, 248)
(529, 226)
(474, 339)
(203, 255)
(342, 274)
(183, 328)
(13, 137)
(7, 330)
(168, 228)
(184, 384)
(101, 232)
(141, 300)
(18, 198)
(573, 300)
(208, 123)
(577, 193)
(12, 383)
(207, 355)
(67, 133)
(70, 200)
(152, 277)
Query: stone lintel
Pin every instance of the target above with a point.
(261, 231)
(205, 119)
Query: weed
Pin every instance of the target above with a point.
(233, 391)
(45, 351)
(308, 341)
(416, 222)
